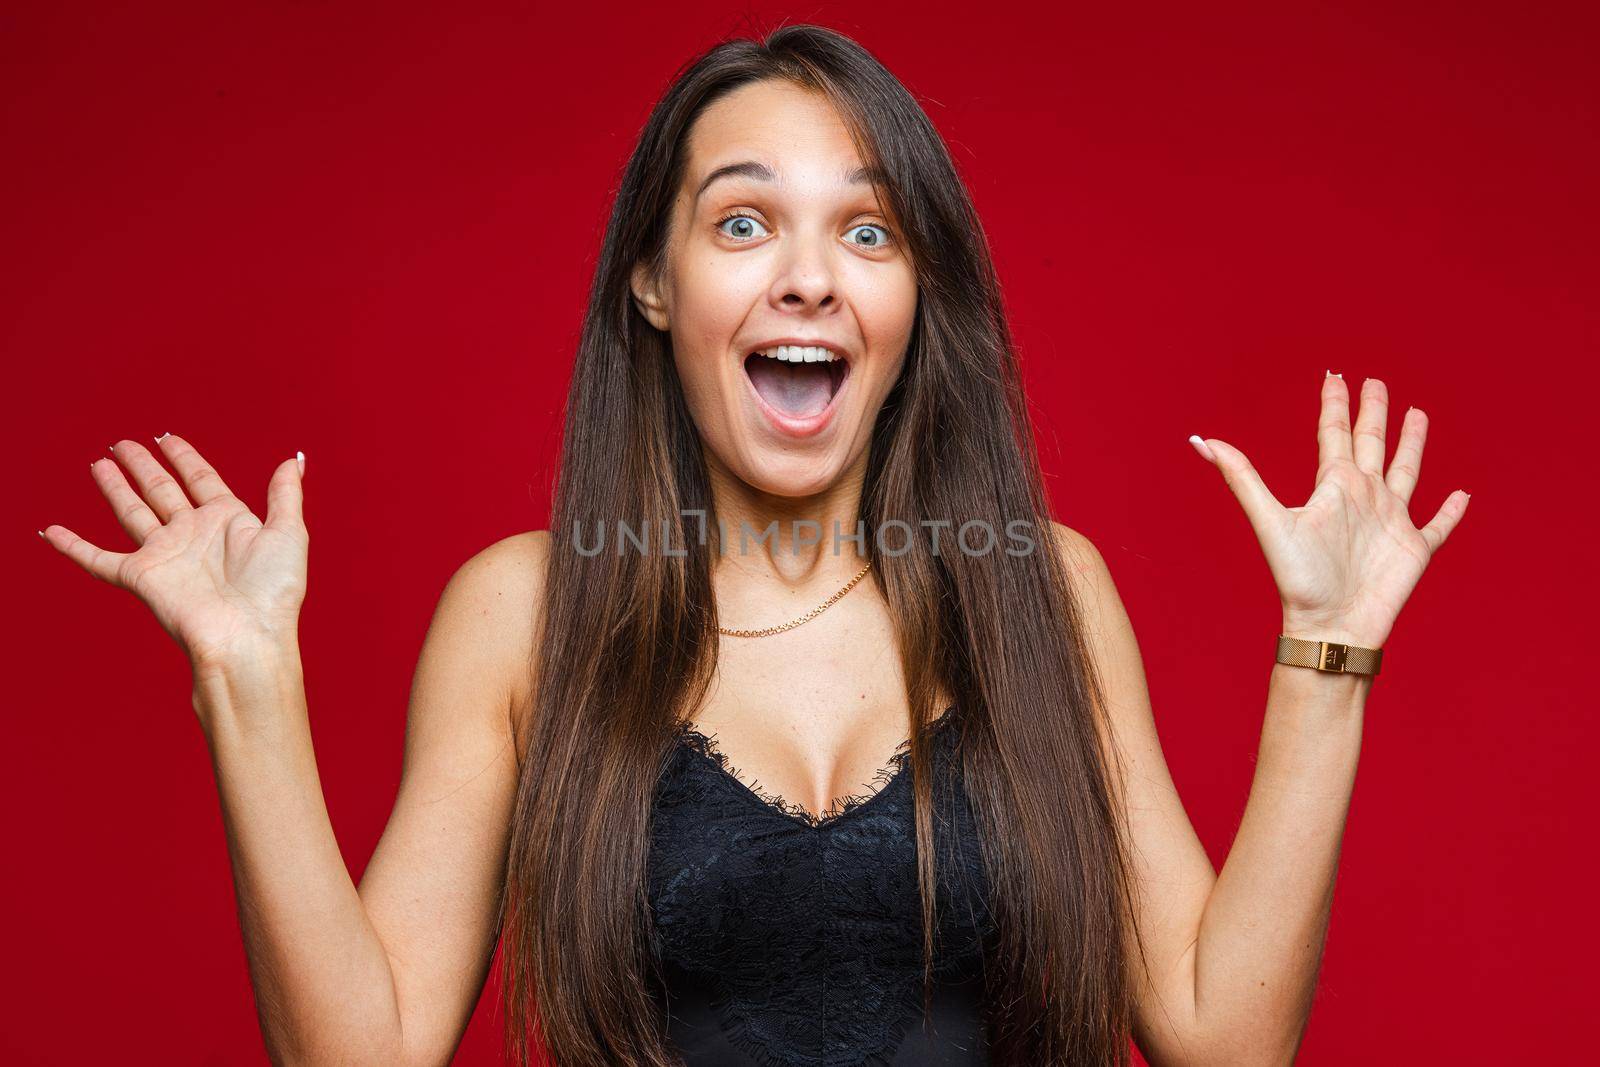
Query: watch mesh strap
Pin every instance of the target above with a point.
(1329, 656)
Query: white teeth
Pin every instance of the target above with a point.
(799, 354)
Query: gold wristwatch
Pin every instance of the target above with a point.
(1328, 656)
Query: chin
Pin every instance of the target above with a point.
(792, 477)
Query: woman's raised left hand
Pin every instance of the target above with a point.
(1346, 560)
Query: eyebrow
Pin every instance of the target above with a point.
(760, 172)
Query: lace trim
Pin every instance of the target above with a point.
(706, 746)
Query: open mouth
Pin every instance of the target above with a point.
(794, 381)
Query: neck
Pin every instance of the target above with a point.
(789, 540)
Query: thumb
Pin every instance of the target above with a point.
(1242, 478)
(285, 497)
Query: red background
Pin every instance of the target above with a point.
(368, 233)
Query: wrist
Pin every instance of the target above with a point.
(1332, 693)
(255, 651)
(260, 677)
(1344, 633)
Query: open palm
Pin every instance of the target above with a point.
(1347, 560)
(216, 577)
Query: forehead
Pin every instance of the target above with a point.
(793, 130)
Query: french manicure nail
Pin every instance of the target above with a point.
(1201, 447)
(163, 436)
(300, 458)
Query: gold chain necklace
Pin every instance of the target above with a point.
(807, 617)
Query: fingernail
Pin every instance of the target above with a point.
(300, 457)
(1201, 447)
(112, 449)
(1327, 374)
(41, 533)
(163, 437)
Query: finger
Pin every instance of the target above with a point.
(129, 508)
(199, 478)
(160, 489)
(97, 561)
(1406, 467)
(1333, 423)
(1372, 425)
(285, 497)
(1450, 512)
(1252, 493)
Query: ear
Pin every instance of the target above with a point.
(647, 297)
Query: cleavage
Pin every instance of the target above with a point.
(707, 745)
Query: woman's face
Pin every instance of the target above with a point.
(788, 247)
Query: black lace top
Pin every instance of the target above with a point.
(786, 939)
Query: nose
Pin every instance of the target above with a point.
(806, 277)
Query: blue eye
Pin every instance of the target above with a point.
(744, 233)
(875, 242)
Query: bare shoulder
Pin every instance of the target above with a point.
(1069, 540)
(490, 609)
(1105, 618)
(1086, 568)
(508, 570)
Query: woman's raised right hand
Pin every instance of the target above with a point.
(218, 579)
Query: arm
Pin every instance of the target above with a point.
(1233, 958)
(318, 967)
(433, 885)
(1260, 939)
(388, 974)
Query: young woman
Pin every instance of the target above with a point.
(804, 736)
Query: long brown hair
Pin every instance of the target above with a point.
(627, 640)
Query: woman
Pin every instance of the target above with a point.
(882, 786)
